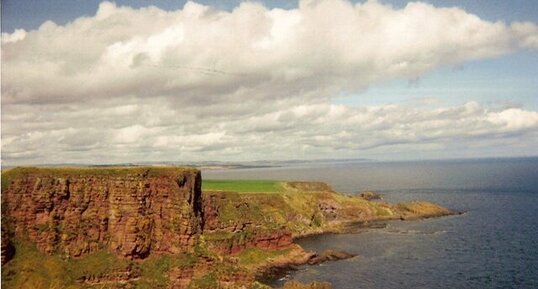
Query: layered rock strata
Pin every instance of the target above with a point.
(131, 212)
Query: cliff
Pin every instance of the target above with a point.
(151, 227)
(258, 228)
(133, 213)
(272, 220)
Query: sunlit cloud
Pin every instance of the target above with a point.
(197, 83)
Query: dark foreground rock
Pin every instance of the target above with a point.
(314, 285)
(329, 255)
(370, 196)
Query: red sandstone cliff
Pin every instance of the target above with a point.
(133, 212)
(233, 224)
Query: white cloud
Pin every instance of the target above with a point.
(17, 35)
(130, 134)
(296, 131)
(141, 84)
(200, 52)
(514, 119)
(527, 33)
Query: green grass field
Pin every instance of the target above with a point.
(9, 174)
(243, 186)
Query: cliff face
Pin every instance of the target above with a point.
(133, 212)
(235, 222)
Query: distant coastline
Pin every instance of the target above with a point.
(261, 164)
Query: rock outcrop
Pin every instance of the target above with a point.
(133, 212)
(370, 196)
(329, 255)
(232, 223)
(313, 285)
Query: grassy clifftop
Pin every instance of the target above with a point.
(301, 208)
(104, 171)
(243, 186)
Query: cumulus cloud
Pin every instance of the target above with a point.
(140, 84)
(200, 55)
(149, 131)
(17, 35)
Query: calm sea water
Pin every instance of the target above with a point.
(493, 245)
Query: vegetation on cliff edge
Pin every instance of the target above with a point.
(243, 186)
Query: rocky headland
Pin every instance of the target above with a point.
(153, 227)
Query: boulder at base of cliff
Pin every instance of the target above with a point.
(329, 255)
(370, 196)
(313, 285)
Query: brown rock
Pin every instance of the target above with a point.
(370, 196)
(329, 255)
(134, 212)
(313, 285)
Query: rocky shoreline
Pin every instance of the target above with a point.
(273, 271)
(280, 268)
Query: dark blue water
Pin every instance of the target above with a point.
(493, 245)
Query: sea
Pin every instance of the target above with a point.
(494, 244)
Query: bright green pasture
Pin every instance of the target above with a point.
(242, 186)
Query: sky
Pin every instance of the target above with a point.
(131, 81)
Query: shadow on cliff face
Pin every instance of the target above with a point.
(198, 201)
(7, 247)
(8, 252)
